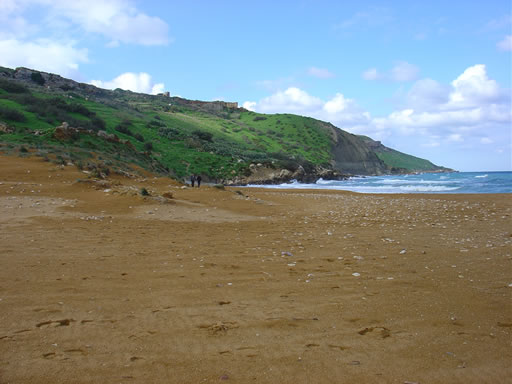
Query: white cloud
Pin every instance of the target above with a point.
(250, 105)
(505, 44)
(371, 74)
(454, 115)
(321, 73)
(337, 104)
(455, 137)
(292, 100)
(370, 18)
(496, 24)
(157, 88)
(431, 143)
(435, 115)
(275, 85)
(473, 87)
(117, 20)
(50, 40)
(136, 82)
(402, 71)
(427, 93)
(63, 58)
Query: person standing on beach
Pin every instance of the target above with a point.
(192, 180)
(198, 178)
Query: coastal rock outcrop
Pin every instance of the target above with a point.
(4, 128)
(65, 132)
(266, 175)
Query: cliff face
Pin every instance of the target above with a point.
(351, 155)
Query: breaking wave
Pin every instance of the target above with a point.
(462, 182)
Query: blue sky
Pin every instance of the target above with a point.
(432, 79)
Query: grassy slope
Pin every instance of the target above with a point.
(399, 160)
(236, 138)
(185, 138)
(396, 159)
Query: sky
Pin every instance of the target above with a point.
(432, 79)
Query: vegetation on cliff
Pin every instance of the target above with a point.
(177, 136)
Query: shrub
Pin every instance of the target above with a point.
(78, 108)
(37, 78)
(202, 135)
(98, 124)
(123, 127)
(12, 86)
(170, 133)
(148, 146)
(12, 114)
(23, 99)
(144, 192)
(139, 137)
(259, 118)
(155, 123)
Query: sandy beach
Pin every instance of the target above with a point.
(99, 284)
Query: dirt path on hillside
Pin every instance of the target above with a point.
(101, 285)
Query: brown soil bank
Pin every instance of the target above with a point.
(99, 285)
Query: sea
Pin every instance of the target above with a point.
(454, 182)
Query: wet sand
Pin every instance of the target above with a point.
(99, 285)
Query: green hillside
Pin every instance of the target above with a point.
(171, 135)
(398, 161)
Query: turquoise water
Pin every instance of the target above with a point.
(456, 182)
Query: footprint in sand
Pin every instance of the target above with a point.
(384, 332)
(220, 327)
(23, 331)
(76, 351)
(338, 347)
(56, 323)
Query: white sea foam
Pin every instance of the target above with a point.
(495, 182)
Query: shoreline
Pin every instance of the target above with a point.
(101, 284)
(460, 183)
